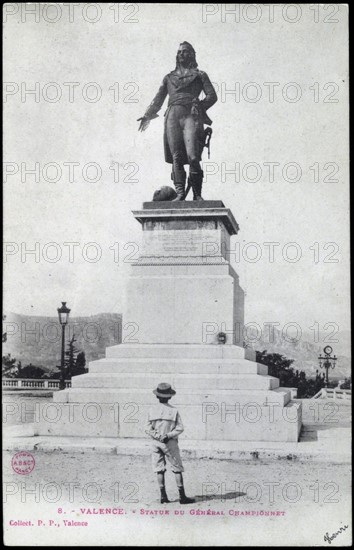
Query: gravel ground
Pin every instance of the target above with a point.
(307, 500)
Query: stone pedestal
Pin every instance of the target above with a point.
(181, 294)
(183, 290)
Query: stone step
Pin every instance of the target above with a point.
(180, 351)
(178, 381)
(175, 366)
(227, 421)
(196, 397)
(283, 392)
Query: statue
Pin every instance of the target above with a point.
(184, 134)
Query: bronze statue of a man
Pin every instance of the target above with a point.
(184, 135)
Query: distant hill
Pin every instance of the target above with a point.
(37, 340)
(305, 353)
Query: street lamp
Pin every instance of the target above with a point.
(327, 361)
(63, 313)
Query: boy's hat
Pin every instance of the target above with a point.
(164, 390)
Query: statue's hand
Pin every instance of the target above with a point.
(144, 123)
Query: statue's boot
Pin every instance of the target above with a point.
(178, 177)
(196, 179)
(181, 195)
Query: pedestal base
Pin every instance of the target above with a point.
(221, 395)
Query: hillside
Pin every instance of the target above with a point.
(305, 353)
(37, 340)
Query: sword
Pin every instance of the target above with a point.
(207, 136)
(188, 188)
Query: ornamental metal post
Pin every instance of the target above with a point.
(327, 362)
(63, 313)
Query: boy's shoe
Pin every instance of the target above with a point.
(164, 497)
(186, 500)
(183, 499)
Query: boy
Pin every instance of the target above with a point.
(164, 426)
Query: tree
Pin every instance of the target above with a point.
(9, 367)
(55, 375)
(4, 334)
(75, 360)
(70, 360)
(347, 384)
(30, 371)
(80, 364)
(280, 367)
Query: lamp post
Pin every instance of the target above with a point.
(327, 361)
(63, 313)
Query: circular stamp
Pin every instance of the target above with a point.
(23, 463)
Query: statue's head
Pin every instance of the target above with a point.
(186, 56)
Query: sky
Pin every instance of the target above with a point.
(279, 152)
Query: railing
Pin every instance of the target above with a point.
(333, 393)
(32, 384)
